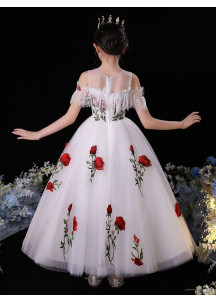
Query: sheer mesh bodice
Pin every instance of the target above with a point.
(116, 83)
(109, 96)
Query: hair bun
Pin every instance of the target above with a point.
(111, 38)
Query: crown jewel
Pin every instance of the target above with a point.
(101, 21)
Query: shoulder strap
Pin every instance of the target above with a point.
(131, 74)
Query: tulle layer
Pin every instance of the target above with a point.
(149, 234)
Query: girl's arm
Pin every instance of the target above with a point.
(150, 122)
(67, 119)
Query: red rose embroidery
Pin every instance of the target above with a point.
(93, 149)
(99, 163)
(75, 224)
(66, 243)
(120, 223)
(136, 239)
(96, 163)
(109, 209)
(70, 207)
(135, 249)
(131, 148)
(65, 159)
(137, 261)
(177, 209)
(143, 160)
(50, 186)
(78, 87)
(142, 164)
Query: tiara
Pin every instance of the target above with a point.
(101, 22)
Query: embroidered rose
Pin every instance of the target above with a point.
(137, 261)
(78, 87)
(67, 239)
(143, 160)
(96, 163)
(65, 159)
(99, 163)
(50, 186)
(142, 163)
(120, 223)
(93, 150)
(177, 210)
(53, 185)
(137, 258)
(70, 207)
(136, 239)
(75, 224)
(131, 148)
(109, 209)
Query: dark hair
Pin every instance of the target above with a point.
(111, 38)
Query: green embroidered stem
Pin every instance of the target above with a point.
(92, 165)
(67, 240)
(119, 115)
(139, 173)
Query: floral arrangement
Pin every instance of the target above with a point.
(195, 190)
(19, 200)
(206, 290)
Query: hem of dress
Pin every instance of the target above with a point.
(64, 270)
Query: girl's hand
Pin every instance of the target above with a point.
(190, 120)
(25, 134)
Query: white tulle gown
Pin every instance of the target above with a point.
(108, 208)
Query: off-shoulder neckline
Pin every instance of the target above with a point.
(130, 89)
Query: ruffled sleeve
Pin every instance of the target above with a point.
(138, 100)
(81, 96)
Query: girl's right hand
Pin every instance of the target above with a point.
(25, 134)
(190, 120)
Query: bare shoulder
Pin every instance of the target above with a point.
(135, 83)
(83, 79)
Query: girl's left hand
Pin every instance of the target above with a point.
(25, 134)
(190, 120)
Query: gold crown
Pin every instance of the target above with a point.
(101, 22)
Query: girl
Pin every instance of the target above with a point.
(108, 209)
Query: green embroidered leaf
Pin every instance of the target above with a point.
(133, 254)
(141, 254)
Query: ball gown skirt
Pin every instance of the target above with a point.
(118, 218)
